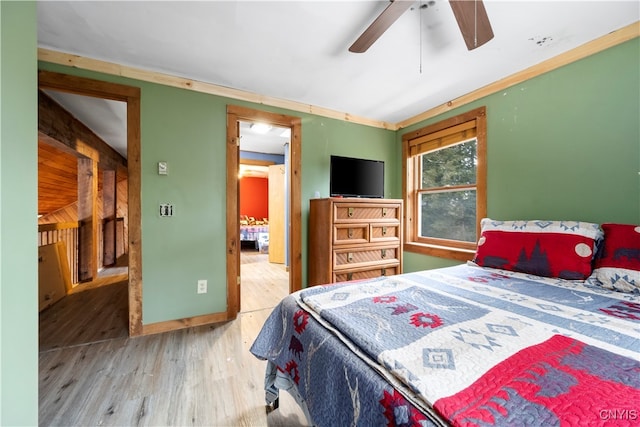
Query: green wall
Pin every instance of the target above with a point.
(322, 137)
(563, 145)
(18, 215)
(188, 130)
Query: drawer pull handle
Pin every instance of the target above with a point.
(350, 233)
(384, 231)
(349, 257)
(384, 211)
(349, 276)
(384, 253)
(384, 272)
(350, 212)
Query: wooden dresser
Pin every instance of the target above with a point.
(352, 238)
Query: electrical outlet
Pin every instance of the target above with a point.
(202, 286)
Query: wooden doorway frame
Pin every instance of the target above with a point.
(235, 114)
(131, 96)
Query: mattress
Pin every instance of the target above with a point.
(462, 345)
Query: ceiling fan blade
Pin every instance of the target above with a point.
(473, 22)
(380, 25)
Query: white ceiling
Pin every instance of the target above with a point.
(106, 118)
(272, 141)
(297, 50)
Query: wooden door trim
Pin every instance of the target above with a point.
(131, 96)
(234, 115)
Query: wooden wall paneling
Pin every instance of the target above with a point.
(57, 178)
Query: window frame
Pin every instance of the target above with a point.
(411, 177)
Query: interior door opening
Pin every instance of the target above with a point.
(118, 237)
(263, 250)
(264, 207)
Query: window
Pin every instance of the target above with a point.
(445, 186)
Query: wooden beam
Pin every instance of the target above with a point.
(109, 214)
(59, 125)
(134, 205)
(88, 219)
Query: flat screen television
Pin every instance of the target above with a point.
(353, 177)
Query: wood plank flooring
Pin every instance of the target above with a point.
(83, 317)
(262, 284)
(202, 376)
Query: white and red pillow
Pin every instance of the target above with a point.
(617, 263)
(563, 249)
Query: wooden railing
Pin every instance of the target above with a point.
(66, 232)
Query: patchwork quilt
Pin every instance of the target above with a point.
(461, 345)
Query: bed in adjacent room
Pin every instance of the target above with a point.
(536, 331)
(252, 234)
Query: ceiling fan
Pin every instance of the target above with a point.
(470, 14)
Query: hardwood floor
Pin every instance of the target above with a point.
(263, 284)
(202, 376)
(84, 317)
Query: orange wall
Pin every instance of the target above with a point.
(254, 197)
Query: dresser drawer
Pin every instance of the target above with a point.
(349, 258)
(359, 211)
(353, 238)
(360, 274)
(350, 233)
(381, 232)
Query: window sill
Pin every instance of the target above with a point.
(440, 251)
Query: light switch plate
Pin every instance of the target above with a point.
(202, 286)
(166, 209)
(162, 168)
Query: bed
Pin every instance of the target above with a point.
(529, 333)
(253, 233)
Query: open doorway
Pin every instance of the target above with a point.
(264, 209)
(238, 117)
(82, 219)
(88, 167)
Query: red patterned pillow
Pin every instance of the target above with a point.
(617, 265)
(563, 249)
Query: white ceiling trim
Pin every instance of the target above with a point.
(609, 40)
